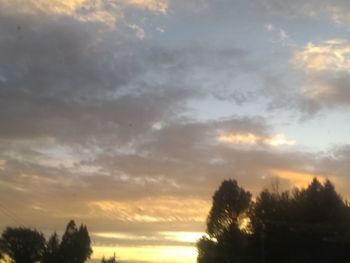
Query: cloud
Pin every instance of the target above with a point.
(107, 12)
(76, 87)
(330, 55)
(154, 5)
(82, 10)
(282, 34)
(326, 66)
(163, 209)
(336, 12)
(250, 138)
(140, 33)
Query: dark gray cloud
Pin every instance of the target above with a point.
(72, 83)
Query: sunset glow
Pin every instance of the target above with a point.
(180, 253)
(127, 115)
(165, 254)
(298, 179)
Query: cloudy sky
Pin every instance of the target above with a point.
(126, 115)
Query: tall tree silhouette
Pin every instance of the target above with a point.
(226, 241)
(229, 201)
(52, 250)
(23, 245)
(76, 244)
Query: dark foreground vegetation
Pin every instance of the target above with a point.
(309, 225)
(25, 245)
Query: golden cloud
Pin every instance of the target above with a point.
(250, 138)
(325, 64)
(163, 209)
(107, 12)
(50, 6)
(328, 55)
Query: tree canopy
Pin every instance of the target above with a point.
(229, 201)
(305, 225)
(76, 244)
(24, 245)
(52, 251)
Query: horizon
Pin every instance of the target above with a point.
(126, 115)
(184, 244)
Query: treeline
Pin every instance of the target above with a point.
(25, 245)
(298, 226)
(303, 225)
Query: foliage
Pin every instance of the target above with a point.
(229, 202)
(76, 244)
(23, 245)
(307, 225)
(52, 251)
(207, 250)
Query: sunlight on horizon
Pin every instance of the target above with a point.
(165, 254)
(184, 252)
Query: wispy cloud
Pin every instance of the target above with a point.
(250, 138)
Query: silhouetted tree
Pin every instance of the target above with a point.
(23, 245)
(52, 250)
(229, 202)
(207, 250)
(306, 225)
(76, 244)
(226, 241)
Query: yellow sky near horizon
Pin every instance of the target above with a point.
(185, 251)
(164, 254)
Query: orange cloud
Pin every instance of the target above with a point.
(298, 179)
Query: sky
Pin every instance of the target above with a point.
(126, 115)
